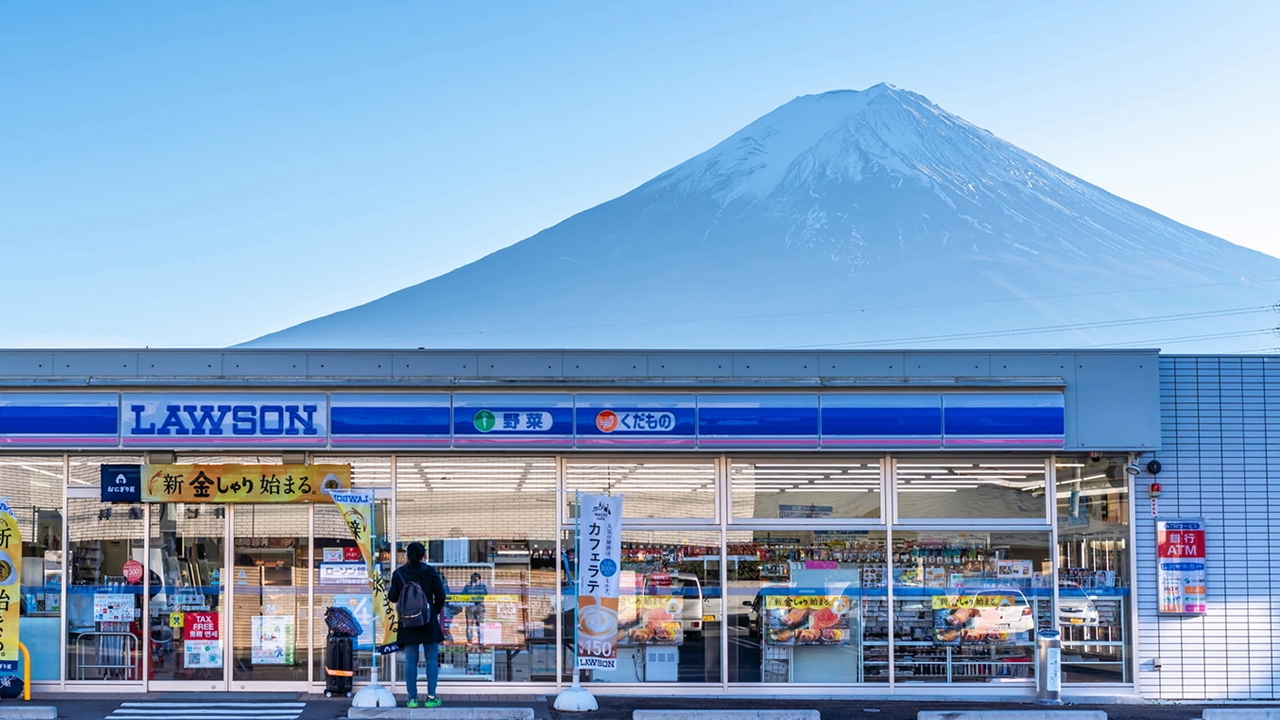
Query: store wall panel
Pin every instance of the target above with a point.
(347, 365)
(180, 364)
(26, 364)
(439, 365)
(1116, 399)
(96, 364)
(1215, 466)
(869, 365)
(289, 364)
(948, 365)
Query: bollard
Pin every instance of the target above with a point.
(1048, 668)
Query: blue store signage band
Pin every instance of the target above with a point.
(1029, 420)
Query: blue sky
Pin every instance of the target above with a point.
(198, 174)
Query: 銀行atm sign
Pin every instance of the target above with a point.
(1180, 566)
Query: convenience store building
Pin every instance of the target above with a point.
(890, 493)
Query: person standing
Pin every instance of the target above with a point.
(428, 634)
(475, 614)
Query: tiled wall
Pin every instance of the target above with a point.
(1220, 454)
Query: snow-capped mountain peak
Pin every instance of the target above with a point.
(836, 217)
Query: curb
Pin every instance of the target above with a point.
(725, 715)
(1011, 715)
(29, 712)
(442, 713)
(1271, 713)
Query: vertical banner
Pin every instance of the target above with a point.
(10, 596)
(1180, 558)
(357, 512)
(599, 554)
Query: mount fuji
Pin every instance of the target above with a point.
(846, 219)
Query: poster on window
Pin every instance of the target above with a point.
(981, 618)
(599, 552)
(1180, 558)
(806, 619)
(201, 642)
(272, 641)
(650, 620)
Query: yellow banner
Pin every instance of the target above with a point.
(357, 512)
(243, 483)
(955, 602)
(10, 594)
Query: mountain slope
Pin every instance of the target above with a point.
(870, 218)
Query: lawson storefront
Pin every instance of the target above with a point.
(840, 523)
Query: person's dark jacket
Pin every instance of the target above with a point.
(432, 585)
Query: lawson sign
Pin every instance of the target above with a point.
(165, 420)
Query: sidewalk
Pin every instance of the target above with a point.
(79, 706)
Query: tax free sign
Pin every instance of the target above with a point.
(194, 419)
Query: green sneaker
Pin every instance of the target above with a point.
(432, 701)
(413, 703)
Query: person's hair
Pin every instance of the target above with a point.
(475, 576)
(415, 553)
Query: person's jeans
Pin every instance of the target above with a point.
(432, 659)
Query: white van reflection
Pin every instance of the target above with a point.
(1075, 607)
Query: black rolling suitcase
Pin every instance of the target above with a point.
(339, 665)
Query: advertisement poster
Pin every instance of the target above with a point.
(10, 596)
(486, 619)
(357, 513)
(201, 643)
(987, 619)
(344, 573)
(1180, 558)
(600, 553)
(243, 483)
(791, 620)
(112, 607)
(272, 642)
(361, 606)
(650, 620)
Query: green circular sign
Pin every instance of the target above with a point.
(484, 421)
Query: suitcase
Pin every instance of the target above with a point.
(339, 665)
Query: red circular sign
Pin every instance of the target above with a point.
(132, 572)
(607, 421)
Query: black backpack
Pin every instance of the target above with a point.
(414, 607)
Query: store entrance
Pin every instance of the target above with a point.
(230, 597)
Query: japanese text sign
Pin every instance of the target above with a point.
(243, 483)
(10, 598)
(200, 626)
(599, 556)
(1180, 558)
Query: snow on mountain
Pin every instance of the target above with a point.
(850, 219)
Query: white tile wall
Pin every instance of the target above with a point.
(1220, 450)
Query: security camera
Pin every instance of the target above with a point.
(1133, 469)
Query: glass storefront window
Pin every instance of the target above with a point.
(967, 605)
(961, 488)
(663, 489)
(807, 606)
(105, 639)
(670, 608)
(489, 527)
(32, 487)
(790, 488)
(1094, 579)
(269, 581)
(332, 538)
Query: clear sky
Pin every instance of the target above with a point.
(198, 174)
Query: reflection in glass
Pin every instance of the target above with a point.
(269, 584)
(32, 487)
(980, 488)
(489, 528)
(967, 605)
(795, 489)
(654, 489)
(669, 608)
(1093, 568)
(188, 624)
(807, 607)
